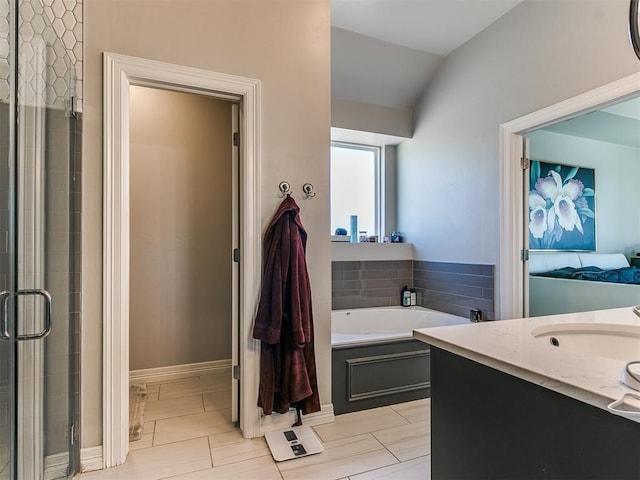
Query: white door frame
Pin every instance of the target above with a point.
(119, 73)
(511, 284)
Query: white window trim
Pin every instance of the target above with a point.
(379, 184)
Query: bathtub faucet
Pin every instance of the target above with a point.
(475, 315)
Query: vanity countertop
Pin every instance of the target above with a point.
(510, 347)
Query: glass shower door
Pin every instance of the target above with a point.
(8, 277)
(39, 303)
(7, 285)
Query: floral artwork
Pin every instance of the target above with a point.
(561, 207)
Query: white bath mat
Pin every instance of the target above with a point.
(294, 442)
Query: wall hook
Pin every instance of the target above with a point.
(285, 188)
(307, 188)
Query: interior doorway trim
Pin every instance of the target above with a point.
(119, 73)
(511, 277)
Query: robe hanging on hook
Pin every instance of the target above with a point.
(307, 188)
(285, 188)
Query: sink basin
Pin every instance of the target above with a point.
(621, 342)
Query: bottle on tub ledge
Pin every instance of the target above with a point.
(408, 297)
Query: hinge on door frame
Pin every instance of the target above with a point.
(72, 110)
(72, 434)
(235, 371)
(236, 255)
(524, 255)
(525, 162)
(236, 139)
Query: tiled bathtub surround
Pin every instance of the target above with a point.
(363, 284)
(455, 287)
(448, 287)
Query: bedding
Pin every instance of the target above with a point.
(553, 287)
(628, 275)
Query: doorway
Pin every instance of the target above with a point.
(592, 155)
(183, 228)
(513, 280)
(120, 73)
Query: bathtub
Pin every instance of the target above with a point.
(360, 325)
(375, 359)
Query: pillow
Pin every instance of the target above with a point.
(540, 262)
(605, 261)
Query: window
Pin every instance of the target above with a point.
(355, 187)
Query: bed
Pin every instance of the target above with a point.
(565, 282)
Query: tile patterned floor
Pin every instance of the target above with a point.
(188, 436)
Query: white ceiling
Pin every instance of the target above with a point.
(385, 52)
(434, 26)
(619, 124)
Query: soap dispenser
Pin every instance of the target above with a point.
(405, 296)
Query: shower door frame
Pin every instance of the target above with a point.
(121, 71)
(29, 160)
(512, 292)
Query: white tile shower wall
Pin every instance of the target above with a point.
(50, 49)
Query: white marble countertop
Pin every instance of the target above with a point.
(509, 346)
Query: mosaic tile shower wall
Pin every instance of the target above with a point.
(50, 46)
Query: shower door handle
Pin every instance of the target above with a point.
(4, 327)
(47, 314)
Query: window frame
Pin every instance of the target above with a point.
(379, 208)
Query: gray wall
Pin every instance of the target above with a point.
(617, 192)
(538, 54)
(181, 219)
(390, 194)
(367, 117)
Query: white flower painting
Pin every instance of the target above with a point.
(561, 207)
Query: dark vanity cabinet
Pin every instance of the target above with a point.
(486, 424)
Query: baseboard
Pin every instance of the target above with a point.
(55, 466)
(176, 372)
(276, 421)
(91, 459)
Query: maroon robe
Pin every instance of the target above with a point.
(284, 321)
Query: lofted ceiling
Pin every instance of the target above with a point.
(385, 52)
(433, 26)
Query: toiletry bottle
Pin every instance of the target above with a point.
(414, 297)
(405, 297)
(353, 225)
